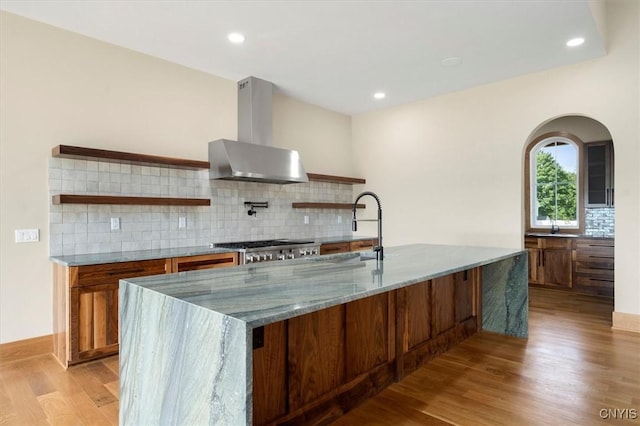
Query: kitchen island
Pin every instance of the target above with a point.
(305, 341)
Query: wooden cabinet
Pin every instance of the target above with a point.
(550, 261)
(86, 302)
(86, 307)
(595, 266)
(203, 261)
(313, 368)
(334, 248)
(345, 247)
(599, 188)
(363, 244)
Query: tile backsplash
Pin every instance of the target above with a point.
(599, 221)
(82, 228)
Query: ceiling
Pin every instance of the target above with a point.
(336, 54)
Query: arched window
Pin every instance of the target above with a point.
(554, 183)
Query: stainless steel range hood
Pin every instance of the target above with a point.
(252, 157)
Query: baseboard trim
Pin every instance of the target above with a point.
(23, 349)
(626, 322)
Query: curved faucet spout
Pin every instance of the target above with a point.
(354, 223)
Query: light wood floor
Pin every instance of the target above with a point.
(572, 366)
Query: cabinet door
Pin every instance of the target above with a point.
(95, 318)
(557, 267)
(316, 355)
(536, 274)
(599, 191)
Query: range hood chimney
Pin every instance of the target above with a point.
(252, 157)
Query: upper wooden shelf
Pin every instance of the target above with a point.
(334, 179)
(139, 201)
(345, 206)
(67, 151)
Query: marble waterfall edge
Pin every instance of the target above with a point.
(505, 302)
(180, 364)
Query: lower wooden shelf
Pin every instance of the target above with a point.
(140, 201)
(346, 206)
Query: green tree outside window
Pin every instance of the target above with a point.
(556, 188)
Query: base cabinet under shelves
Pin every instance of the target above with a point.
(86, 302)
(581, 265)
(550, 261)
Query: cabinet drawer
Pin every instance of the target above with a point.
(557, 243)
(334, 248)
(531, 243)
(594, 283)
(111, 273)
(204, 261)
(362, 245)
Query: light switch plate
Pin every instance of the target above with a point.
(27, 235)
(115, 223)
(306, 219)
(182, 222)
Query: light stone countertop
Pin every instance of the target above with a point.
(135, 255)
(266, 293)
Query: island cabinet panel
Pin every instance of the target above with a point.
(316, 343)
(270, 375)
(466, 296)
(417, 302)
(443, 291)
(367, 334)
(433, 316)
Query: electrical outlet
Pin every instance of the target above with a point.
(115, 223)
(182, 222)
(27, 235)
(306, 219)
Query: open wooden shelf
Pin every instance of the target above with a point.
(334, 179)
(138, 201)
(345, 206)
(67, 151)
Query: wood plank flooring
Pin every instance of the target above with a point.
(571, 367)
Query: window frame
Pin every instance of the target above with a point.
(528, 190)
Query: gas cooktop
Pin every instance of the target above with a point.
(262, 244)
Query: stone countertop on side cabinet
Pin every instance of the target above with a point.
(341, 239)
(266, 293)
(135, 255)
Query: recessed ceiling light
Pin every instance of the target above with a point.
(379, 95)
(575, 42)
(236, 37)
(453, 61)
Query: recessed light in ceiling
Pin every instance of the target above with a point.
(575, 42)
(453, 61)
(379, 95)
(236, 38)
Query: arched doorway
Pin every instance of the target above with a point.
(569, 206)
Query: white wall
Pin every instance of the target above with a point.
(587, 129)
(61, 88)
(450, 169)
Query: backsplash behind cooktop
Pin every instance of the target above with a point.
(81, 228)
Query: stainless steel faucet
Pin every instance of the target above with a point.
(354, 223)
